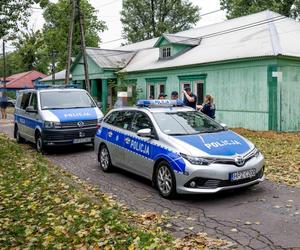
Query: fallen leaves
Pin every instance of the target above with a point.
(282, 154)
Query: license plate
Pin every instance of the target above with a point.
(249, 173)
(82, 140)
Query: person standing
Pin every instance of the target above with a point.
(3, 105)
(162, 96)
(208, 108)
(174, 95)
(189, 98)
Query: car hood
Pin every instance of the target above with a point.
(72, 115)
(225, 143)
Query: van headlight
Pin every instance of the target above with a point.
(48, 124)
(99, 120)
(197, 160)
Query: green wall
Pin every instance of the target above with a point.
(240, 89)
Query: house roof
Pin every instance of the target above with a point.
(262, 34)
(23, 80)
(58, 76)
(174, 39)
(105, 58)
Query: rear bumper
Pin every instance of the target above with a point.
(56, 137)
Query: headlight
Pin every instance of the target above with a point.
(256, 152)
(48, 124)
(99, 120)
(197, 160)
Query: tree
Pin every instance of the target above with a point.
(31, 51)
(14, 15)
(145, 19)
(236, 8)
(55, 31)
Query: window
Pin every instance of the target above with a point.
(141, 121)
(166, 52)
(124, 119)
(33, 101)
(199, 92)
(112, 117)
(154, 89)
(25, 100)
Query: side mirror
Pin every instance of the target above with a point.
(145, 132)
(30, 109)
(224, 126)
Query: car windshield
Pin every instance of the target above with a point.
(185, 123)
(65, 100)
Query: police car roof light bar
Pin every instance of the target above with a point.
(159, 103)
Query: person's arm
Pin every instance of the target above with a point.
(189, 98)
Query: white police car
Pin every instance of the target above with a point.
(179, 149)
(51, 117)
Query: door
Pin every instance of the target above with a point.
(23, 121)
(118, 136)
(138, 159)
(199, 91)
(33, 117)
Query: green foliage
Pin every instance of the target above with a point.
(57, 17)
(237, 8)
(14, 15)
(145, 19)
(31, 51)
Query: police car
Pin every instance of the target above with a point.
(181, 150)
(52, 117)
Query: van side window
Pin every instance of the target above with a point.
(33, 101)
(25, 100)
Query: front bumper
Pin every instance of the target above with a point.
(56, 137)
(215, 177)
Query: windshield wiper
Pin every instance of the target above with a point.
(176, 134)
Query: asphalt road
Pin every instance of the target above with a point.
(266, 216)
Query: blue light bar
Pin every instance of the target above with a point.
(159, 103)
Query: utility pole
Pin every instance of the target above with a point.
(53, 56)
(4, 63)
(83, 48)
(70, 39)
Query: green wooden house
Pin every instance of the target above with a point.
(251, 65)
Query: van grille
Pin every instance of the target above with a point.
(87, 123)
(60, 135)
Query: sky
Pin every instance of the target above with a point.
(109, 11)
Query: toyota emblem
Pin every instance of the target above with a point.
(239, 160)
(80, 124)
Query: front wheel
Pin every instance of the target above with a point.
(165, 180)
(104, 159)
(40, 146)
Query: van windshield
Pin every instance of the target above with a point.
(186, 123)
(65, 100)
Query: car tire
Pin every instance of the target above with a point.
(40, 146)
(104, 159)
(17, 135)
(165, 180)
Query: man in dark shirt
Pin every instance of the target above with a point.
(189, 98)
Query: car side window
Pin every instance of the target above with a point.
(112, 117)
(141, 121)
(124, 119)
(25, 100)
(33, 101)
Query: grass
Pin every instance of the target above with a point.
(41, 206)
(282, 153)
(10, 110)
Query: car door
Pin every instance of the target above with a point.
(22, 116)
(33, 117)
(116, 130)
(138, 158)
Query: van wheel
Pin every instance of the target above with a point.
(17, 135)
(165, 180)
(104, 159)
(40, 146)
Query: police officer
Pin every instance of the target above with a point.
(189, 98)
(174, 95)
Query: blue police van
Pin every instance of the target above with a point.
(53, 117)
